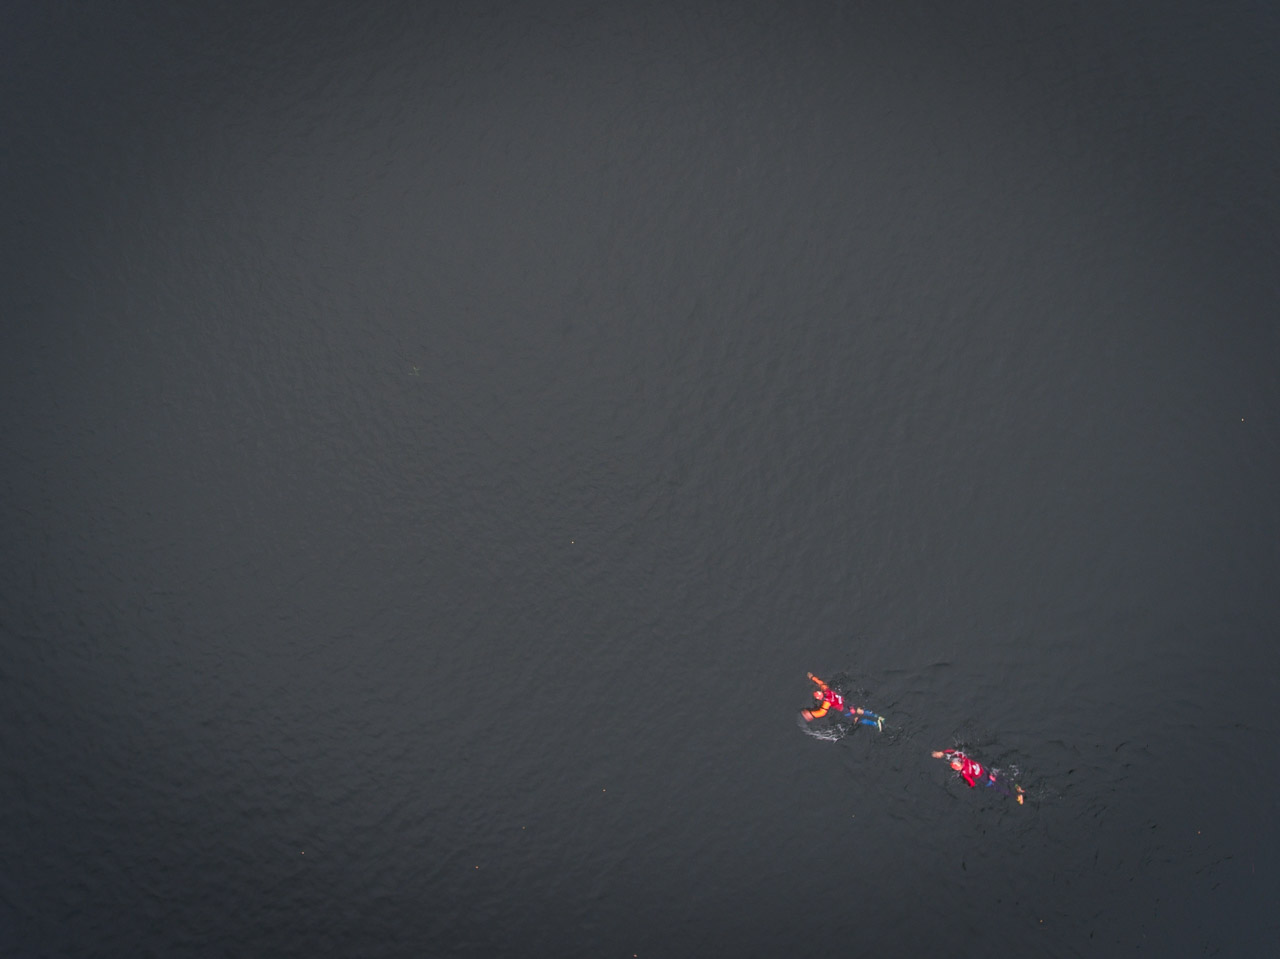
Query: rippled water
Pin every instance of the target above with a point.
(438, 442)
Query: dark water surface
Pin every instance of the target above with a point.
(438, 440)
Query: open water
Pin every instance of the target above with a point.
(438, 439)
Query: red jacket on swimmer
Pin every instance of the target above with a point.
(827, 699)
(968, 769)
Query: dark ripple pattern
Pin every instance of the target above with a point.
(438, 439)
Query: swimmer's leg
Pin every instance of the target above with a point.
(1000, 787)
(865, 717)
(873, 719)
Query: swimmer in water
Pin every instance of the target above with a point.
(829, 700)
(974, 772)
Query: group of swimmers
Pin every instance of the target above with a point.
(971, 771)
